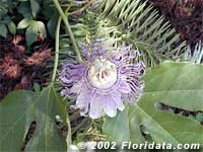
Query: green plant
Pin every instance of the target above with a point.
(168, 83)
(195, 55)
(6, 23)
(37, 17)
(134, 22)
(118, 22)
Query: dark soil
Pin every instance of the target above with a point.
(185, 15)
(21, 68)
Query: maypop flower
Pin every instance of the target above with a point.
(105, 81)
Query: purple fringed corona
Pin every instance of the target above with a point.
(105, 81)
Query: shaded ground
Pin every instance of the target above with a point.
(185, 15)
(21, 68)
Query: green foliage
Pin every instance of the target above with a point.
(145, 28)
(6, 22)
(195, 55)
(35, 7)
(11, 27)
(132, 22)
(175, 84)
(29, 8)
(3, 9)
(34, 30)
(51, 25)
(3, 30)
(20, 108)
(6, 25)
(119, 21)
(52, 15)
(32, 13)
(24, 23)
(24, 9)
(6, 6)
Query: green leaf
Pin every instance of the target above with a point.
(175, 84)
(12, 27)
(199, 117)
(24, 23)
(180, 85)
(135, 22)
(48, 9)
(113, 128)
(35, 7)
(51, 25)
(34, 31)
(194, 55)
(24, 9)
(3, 30)
(20, 108)
(36, 87)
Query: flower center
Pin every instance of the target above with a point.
(102, 73)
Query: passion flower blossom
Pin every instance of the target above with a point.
(105, 81)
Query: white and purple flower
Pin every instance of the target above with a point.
(105, 81)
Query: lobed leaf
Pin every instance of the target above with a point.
(19, 109)
(175, 84)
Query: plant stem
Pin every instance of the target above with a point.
(85, 120)
(95, 134)
(65, 20)
(68, 138)
(56, 60)
(81, 9)
(74, 116)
